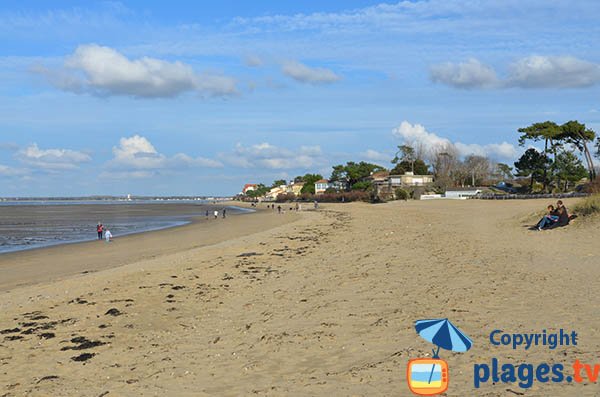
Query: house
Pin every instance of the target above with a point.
(461, 193)
(248, 187)
(272, 194)
(385, 185)
(295, 188)
(323, 184)
(409, 179)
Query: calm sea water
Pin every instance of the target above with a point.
(26, 225)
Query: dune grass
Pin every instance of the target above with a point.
(588, 206)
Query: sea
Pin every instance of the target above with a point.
(34, 224)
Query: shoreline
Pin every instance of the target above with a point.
(168, 221)
(27, 267)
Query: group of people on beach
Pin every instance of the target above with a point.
(216, 213)
(556, 217)
(103, 232)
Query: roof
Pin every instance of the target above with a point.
(247, 185)
(380, 175)
(322, 181)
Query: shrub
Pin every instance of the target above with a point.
(401, 194)
(284, 197)
(588, 206)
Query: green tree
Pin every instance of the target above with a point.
(534, 165)
(361, 185)
(568, 169)
(259, 191)
(354, 172)
(278, 183)
(405, 154)
(309, 182)
(550, 133)
(419, 167)
(577, 134)
(505, 170)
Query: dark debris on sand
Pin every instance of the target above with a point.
(82, 343)
(113, 312)
(248, 254)
(83, 357)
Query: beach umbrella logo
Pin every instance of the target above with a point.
(430, 376)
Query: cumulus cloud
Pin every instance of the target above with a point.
(553, 72)
(7, 171)
(270, 156)
(469, 74)
(530, 72)
(416, 134)
(104, 71)
(137, 157)
(52, 159)
(374, 155)
(306, 74)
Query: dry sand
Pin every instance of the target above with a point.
(322, 306)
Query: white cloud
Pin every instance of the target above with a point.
(416, 134)
(553, 72)
(136, 156)
(11, 171)
(469, 74)
(269, 156)
(306, 74)
(374, 155)
(530, 72)
(104, 71)
(52, 159)
(253, 61)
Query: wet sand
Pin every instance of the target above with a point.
(321, 306)
(56, 262)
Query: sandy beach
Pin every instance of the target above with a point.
(317, 303)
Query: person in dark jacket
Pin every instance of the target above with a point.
(563, 218)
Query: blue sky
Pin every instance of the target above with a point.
(201, 97)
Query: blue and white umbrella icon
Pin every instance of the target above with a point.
(442, 333)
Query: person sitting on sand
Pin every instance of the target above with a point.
(563, 217)
(108, 236)
(550, 218)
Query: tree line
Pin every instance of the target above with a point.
(558, 166)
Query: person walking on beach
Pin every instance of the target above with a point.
(206, 214)
(224, 212)
(316, 204)
(100, 230)
(216, 213)
(278, 208)
(108, 236)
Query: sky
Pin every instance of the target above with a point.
(199, 98)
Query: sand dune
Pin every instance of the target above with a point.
(324, 305)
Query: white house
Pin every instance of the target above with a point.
(323, 184)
